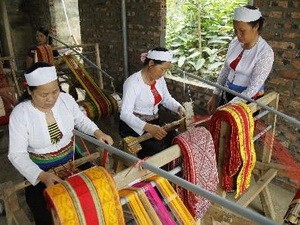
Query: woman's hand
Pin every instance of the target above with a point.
(156, 131)
(212, 104)
(181, 111)
(103, 137)
(49, 179)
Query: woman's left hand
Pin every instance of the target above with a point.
(107, 139)
(181, 111)
(103, 137)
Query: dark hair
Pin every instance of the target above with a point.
(162, 49)
(26, 96)
(46, 32)
(260, 21)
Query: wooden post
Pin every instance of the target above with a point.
(265, 195)
(7, 32)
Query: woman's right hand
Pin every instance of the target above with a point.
(49, 179)
(156, 131)
(212, 104)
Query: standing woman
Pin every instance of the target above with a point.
(42, 51)
(143, 92)
(41, 134)
(248, 62)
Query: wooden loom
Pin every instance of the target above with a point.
(265, 172)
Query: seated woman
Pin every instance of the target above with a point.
(41, 134)
(143, 92)
(42, 52)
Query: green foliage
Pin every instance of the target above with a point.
(198, 32)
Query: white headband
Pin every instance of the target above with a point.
(40, 76)
(160, 55)
(246, 15)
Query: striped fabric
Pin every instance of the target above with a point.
(88, 198)
(140, 207)
(93, 91)
(157, 203)
(173, 201)
(240, 156)
(43, 53)
(53, 159)
(54, 132)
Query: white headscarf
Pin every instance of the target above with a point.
(244, 14)
(166, 56)
(41, 75)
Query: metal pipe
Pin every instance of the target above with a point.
(183, 183)
(271, 109)
(125, 43)
(260, 115)
(262, 132)
(84, 57)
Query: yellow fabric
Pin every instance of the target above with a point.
(136, 206)
(252, 149)
(242, 140)
(172, 199)
(147, 205)
(68, 208)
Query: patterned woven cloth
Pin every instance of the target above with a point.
(98, 97)
(199, 167)
(239, 154)
(43, 53)
(88, 198)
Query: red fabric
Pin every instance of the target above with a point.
(235, 62)
(233, 163)
(45, 54)
(248, 160)
(156, 95)
(85, 199)
(7, 95)
(199, 167)
(232, 158)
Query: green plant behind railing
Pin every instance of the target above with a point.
(199, 34)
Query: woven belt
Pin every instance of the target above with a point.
(146, 117)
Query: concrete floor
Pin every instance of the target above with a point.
(281, 197)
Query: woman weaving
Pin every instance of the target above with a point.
(143, 92)
(41, 137)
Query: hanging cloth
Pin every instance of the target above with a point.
(199, 166)
(93, 91)
(240, 155)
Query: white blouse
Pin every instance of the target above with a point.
(251, 71)
(138, 98)
(28, 132)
